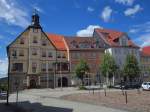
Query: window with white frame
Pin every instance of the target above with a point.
(22, 40)
(50, 55)
(34, 67)
(14, 53)
(34, 52)
(43, 53)
(50, 67)
(43, 67)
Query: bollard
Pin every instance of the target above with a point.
(105, 91)
(122, 92)
(93, 90)
(126, 97)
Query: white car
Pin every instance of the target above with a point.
(146, 85)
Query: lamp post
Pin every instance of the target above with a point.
(61, 76)
(7, 103)
(17, 86)
(54, 71)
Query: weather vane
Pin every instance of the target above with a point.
(35, 11)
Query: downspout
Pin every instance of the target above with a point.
(8, 75)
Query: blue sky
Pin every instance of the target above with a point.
(74, 17)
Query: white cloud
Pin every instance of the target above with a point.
(3, 67)
(88, 31)
(106, 13)
(140, 28)
(145, 39)
(133, 30)
(125, 2)
(132, 11)
(142, 31)
(90, 9)
(12, 14)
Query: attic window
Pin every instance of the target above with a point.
(116, 40)
(44, 42)
(14, 53)
(35, 30)
(35, 40)
(22, 41)
(50, 55)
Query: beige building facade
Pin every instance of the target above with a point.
(32, 58)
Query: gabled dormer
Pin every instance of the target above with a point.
(123, 40)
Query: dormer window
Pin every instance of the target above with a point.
(35, 40)
(124, 42)
(22, 41)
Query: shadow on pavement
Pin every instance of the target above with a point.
(26, 106)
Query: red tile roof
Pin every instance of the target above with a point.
(57, 40)
(75, 42)
(111, 37)
(146, 51)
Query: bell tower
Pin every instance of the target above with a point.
(35, 20)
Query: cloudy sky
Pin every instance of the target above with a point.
(74, 17)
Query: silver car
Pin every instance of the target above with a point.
(146, 85)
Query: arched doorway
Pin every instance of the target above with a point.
(64, 82)
(32, 83)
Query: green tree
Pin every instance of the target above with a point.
(81, 68)
(131, 68)
(108, 67)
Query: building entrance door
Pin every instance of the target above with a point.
(32, 83)
(64, 82)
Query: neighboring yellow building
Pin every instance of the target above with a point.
(30, 54)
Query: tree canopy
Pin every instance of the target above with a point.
(108, 65)
(81, 68)
(131, 67)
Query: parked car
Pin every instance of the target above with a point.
(131, 85)
(146, 85)
(3, 95)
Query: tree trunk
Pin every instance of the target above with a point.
(113, 80)
(81, 81)
(107, 79)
